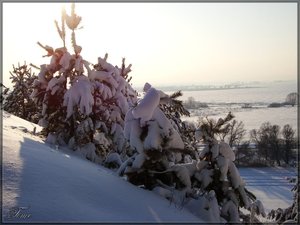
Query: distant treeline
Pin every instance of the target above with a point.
(206, 87)
(191, 103)
(291, 99)
(269, 145)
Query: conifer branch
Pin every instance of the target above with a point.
(62, 32)
(47, 48)
(105, 57)
(63, 29)
(73, 40)
(176, 94)
(34, 66)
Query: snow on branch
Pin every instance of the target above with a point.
(79, 95)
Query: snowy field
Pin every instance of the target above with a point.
(270, 185)
(220, 102)
(54, 185)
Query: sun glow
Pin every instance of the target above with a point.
(20, 36)
(167, 42)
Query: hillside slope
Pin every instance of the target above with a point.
(42, 184)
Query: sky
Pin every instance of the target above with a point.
(166, 43)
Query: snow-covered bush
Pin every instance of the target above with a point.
(153, 130)
(289, 215)
(220, 174)
(18, 101)
(83, 104)
(162, 162)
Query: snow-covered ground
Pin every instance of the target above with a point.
(220, 102)
(54, 186)
(45, 184)
(271, 185)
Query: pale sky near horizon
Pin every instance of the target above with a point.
(166, 43)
